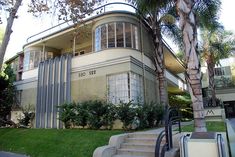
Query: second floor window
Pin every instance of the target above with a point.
(221, 71)
(116, 34)
(33, 58)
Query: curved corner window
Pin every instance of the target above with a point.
(33, 58)
(116, 34)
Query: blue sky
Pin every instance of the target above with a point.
(27, 25)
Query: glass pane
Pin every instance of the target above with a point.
(49, 55)
(120, 40)
(136, 83)
(36, 59)
(135, 37)
(97, 39)
(118, 88)
(31, 60)
(128, 34)
(26, 60)
(111, 35)
(103, 37)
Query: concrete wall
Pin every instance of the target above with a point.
(88, 89)
(29, 96)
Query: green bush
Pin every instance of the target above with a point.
(100, 114)
(110, 116)
(126, 112)
(96, 114)
(82, 114)
(29, 115)
(67, 114)
(150, 115)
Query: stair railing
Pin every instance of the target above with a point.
(172, 116)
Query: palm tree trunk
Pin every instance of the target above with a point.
(210, 68)
(159, 65)
(6, 38)
(193, 71)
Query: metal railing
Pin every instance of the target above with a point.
(104, 8)
(220, 145)
(172, 116)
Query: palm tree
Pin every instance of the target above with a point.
(216, 45)
(156, 14)
(189, 22)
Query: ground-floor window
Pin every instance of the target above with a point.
(125, 87)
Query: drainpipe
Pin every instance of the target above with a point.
(43, 51)
(74, 43)
(142, 58)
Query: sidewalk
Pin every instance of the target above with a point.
(8, 154)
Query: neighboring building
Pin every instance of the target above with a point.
(16, 63)
(108, 57)
(225, 84)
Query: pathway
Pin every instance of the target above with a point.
(8, 154)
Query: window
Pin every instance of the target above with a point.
(136, 86)
(128, 34)
(97, 39)
(103, 37)
(135, 37)
(120, 38)
(36, 59)
(118, 88)
(125, 87)
(33, 58)
(222, 71)
(26, 60)
(116, 34)
(111, 35)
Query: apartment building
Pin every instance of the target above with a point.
(225, 84)
(108, 56)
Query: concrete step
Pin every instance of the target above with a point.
(143, 135)
(146, 147)
(151, 141)
(135, 152)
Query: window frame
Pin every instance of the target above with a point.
(134, 43)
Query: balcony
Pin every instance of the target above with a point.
(175, 83)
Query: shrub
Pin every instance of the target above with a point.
(29, 115)
(67, 114)
(81, 117)
(150, 115)
(100, 114)
(126, 112)
(110, 116)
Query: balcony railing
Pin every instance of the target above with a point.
(103, 8)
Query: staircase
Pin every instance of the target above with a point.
(138, 145)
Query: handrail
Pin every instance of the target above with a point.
(183, 152)
(170, 119)
(70, 23)
(220, 145)
(158, 143)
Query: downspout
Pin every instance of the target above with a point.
(74, 43)
(142, 58)
(43, 51)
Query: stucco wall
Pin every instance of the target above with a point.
(87, 89)
(29, 96)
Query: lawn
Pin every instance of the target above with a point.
(212, 126)
(53, 142)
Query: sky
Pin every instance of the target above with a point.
(27, 25)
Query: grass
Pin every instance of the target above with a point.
(53, 142)
(212, 126)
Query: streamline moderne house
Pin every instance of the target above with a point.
(107, 57)
(225, 84)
